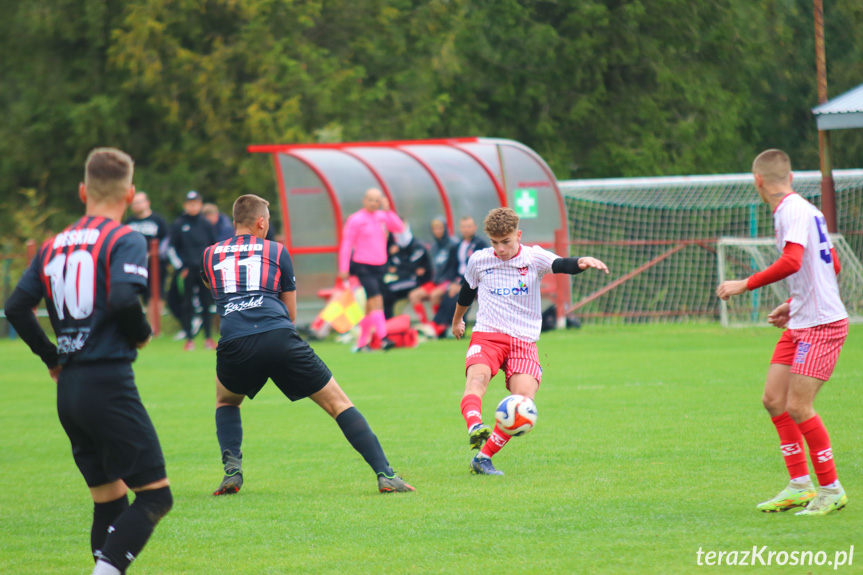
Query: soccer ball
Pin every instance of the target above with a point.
(516, 415)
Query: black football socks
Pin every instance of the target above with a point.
(363, 439)
(229, 430)
(104, 515)
(132, 529)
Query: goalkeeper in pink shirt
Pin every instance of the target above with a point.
(363, 253)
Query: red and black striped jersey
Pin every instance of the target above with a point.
(74, 272)
(246, 275)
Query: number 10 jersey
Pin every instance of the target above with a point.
(74, 272)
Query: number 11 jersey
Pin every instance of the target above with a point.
(246, 275)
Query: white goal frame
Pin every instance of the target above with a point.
(851, 276)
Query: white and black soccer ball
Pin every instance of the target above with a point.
(516, 415)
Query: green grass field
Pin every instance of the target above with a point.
(651, 444)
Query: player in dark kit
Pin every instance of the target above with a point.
(189, 235)
(252, 280)
(90, 276)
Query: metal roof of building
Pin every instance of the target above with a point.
(842, 112)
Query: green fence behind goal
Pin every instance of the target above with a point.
(661, 236)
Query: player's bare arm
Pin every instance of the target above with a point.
(780, 315)
(465, 299)
(788, 263)
(289, 298)
(458, 326)
(730, 288)
(591, 262)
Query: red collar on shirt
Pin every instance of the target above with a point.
(513, 257)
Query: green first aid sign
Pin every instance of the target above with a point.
(524, 203)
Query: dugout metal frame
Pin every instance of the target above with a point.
(320, 185)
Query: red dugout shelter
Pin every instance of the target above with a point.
(320, 185)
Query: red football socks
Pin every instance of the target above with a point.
(420, 309)
(495, 443)
(471, 410)
(819, 449)
(791, 443)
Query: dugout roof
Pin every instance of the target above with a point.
(320, 185)
(842, 112)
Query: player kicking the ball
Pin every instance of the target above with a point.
(807, 352)
(505, 278)
(252, 280)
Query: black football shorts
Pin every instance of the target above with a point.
(112, 435)
(244, 364)
(371, 277)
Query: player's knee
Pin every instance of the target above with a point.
(773, 404)
(477, 384)
(800, 412)
(155, 502)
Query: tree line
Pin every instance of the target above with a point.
(611, 88)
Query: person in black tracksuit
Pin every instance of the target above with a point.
(408, 266)
(191, 234)
(153, 227)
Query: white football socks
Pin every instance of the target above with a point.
(104, 568)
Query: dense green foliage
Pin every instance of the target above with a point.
(651, 442)
(600, 88)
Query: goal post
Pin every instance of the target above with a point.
(738, 258)
(660, 238)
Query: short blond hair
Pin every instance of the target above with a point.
(248, 208)
(108, 174)
(210, 209)
(500, 222)
(773, 165)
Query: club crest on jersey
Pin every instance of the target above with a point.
(489, 271)
(523, 271)
(520, 289)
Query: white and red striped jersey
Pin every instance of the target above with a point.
(814, 291)
(508, 292)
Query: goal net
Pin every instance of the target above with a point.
(660, 239)
(738, 258)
